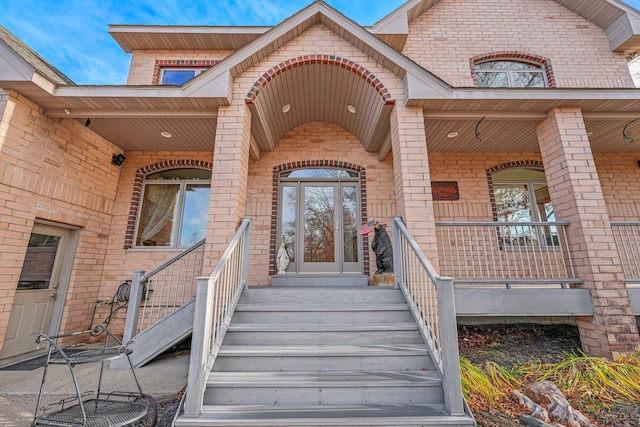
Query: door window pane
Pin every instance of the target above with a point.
(288, 220)
(350, 224)
(319, 223)
(38, 262)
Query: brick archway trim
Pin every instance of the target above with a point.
(137, 189)
(515, 56)
(309, 164)
(531, 164)
(300, 61)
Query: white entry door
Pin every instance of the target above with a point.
(37, 290)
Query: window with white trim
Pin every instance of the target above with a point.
(179, 75)
(522, 195)
(506, 73)
(174, 210)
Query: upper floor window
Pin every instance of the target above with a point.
(178, 76)
(174, 210)
(506, 73)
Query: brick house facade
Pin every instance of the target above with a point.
(399, 102)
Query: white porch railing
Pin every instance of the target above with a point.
(506, 253)
(627, 237)
(431, 300)
(216, 300)
(163, 290)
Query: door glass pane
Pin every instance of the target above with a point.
(194, 219)
(288, 220)
(319, 213)
(350, 224)
(158, 215)
(38, 262)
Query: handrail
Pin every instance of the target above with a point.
(432, 303)
(162, 290)
(627, 237)
(216, 299)
(172, 260)
(506, 252)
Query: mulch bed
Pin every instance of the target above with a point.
(508, 346)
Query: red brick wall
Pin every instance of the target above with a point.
(55, 170)
(311, 142)
(446, 37)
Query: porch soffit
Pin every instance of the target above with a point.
(621, 22)
(509, 119)
(320, 92)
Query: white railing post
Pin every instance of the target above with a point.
(453, 401)
(398, 272)
(245, 254)
(200, 348)
(133, 309)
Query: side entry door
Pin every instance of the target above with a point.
(37, 289)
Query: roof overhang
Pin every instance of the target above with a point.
(166, 37)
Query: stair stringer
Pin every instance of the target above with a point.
(161, 336)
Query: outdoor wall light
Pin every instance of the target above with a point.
(166, 134)
(118, 159)
(286, 108)
(87, 122)
(452, 134)
(351, 109)
(67, 111)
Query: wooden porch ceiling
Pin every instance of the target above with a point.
(319, 93)
(500, 135)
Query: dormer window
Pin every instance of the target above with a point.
(178, 76)
(506, 73)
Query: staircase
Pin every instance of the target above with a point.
(330, 356)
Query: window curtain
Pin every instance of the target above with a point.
(159, 209)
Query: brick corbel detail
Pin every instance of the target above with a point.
(317, 164)
(137, 189)
(511, 55)
(336, 61)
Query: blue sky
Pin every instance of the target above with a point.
(72, 34)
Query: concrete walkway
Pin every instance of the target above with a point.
(161, 378)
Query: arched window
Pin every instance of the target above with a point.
(500, 73)
(521, 195)
(175, 205)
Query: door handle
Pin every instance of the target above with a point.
(53, 294)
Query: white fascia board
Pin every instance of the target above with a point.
(544, 94)
(215, 83)
(13, 67)
(119, 92)
(397, 15)
(417, 87)
(622, 30)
